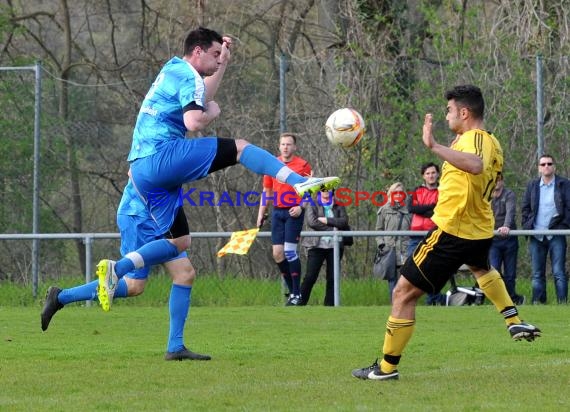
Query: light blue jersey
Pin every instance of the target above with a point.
(161, 117)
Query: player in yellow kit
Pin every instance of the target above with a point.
(463, 234)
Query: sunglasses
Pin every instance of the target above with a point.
(546, 164)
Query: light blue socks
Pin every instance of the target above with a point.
(262, 162)
(178, 306)
(89, 292)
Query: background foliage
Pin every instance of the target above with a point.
(392, 60)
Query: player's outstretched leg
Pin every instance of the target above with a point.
(262, 162)
(57, 298)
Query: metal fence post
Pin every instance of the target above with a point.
(36, 171)
(336, 271)
(88, 241)
(36, 180)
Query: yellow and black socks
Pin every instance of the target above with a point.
(494, 288)
(398, 333)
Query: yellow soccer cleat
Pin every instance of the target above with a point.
(107, 283)
(316, 184)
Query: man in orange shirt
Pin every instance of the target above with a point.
(286, 218)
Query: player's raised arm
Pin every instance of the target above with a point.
(213, 81)
(468, 162)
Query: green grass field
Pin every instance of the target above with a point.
(279, 359)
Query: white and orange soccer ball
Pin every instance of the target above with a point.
(345, 127)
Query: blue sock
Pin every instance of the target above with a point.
(262, 162)
(89, 292)
(122, 291)
(178, 306)
(153, 253)
(79, 293)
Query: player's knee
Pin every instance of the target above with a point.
(278, 256)
(240, 145)
(405, 293)
(190, 274)
(184, 275)
(291, 255)
(182, 243)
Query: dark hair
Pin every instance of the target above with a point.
(546, 155)
(426, 166)
(201, 37)
(288, 134)
(468, 96)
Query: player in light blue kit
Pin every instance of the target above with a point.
(137, 228)
(162, 159)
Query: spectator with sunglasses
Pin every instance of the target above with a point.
(546, 206)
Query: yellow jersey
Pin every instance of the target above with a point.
(464, 205)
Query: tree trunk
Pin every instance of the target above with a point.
(71, 158)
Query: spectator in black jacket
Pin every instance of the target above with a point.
(324, 214)
(546, 205)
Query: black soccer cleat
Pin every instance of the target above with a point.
(523, 330)
(373, 372)
(185, 354)
(294, 300)
(51, 306)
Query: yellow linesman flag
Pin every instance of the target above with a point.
(240, 242)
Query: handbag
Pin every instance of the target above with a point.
(347, 240)
(385, 263)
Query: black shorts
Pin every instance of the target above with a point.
(226, 155)
(438, 257)
(179, 226)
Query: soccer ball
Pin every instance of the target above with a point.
(345, 127)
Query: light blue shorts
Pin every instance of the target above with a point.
(137, 231)
(159, 177)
